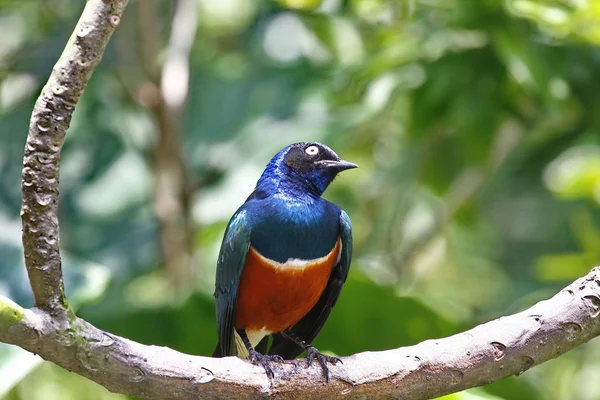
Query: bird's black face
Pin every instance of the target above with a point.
(315, 164)
(310, 157)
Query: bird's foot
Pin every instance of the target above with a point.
(312, 353)
(263, 359)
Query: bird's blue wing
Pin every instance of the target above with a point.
(232, 258)
(346, 235)
(309, 326)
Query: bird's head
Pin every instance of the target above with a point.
(303, 167)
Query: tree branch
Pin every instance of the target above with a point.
(172, 193)
(500, 348)
(172, 188)
(49, 122)
(497, 349)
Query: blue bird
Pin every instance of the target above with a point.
(284, 258)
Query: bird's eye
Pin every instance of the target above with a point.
(312, 151)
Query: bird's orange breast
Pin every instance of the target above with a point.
(275, 296)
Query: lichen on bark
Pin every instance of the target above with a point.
(10, 314)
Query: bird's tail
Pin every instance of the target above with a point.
(260, 347)
(218, 351)
(285, 347)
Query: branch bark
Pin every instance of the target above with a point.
(49, 122)
(500, 348)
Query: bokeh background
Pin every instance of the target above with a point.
(476, 125)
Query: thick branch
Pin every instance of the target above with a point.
(500, 348)
(49, 122)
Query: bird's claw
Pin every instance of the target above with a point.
(263, 359)
(312, 353)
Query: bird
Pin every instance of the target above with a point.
(284, 258)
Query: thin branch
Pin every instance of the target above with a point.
(467, 185)
(500, 348)
(49, 122)
(172, 188)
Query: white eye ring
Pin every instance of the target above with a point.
(312, 150)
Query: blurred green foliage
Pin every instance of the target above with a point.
(476, 125)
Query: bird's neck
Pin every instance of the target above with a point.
(303, 191)
(290, 184)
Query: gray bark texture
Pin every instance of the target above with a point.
(50, 120)
(500, 348)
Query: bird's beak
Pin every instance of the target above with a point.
(340, 165)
